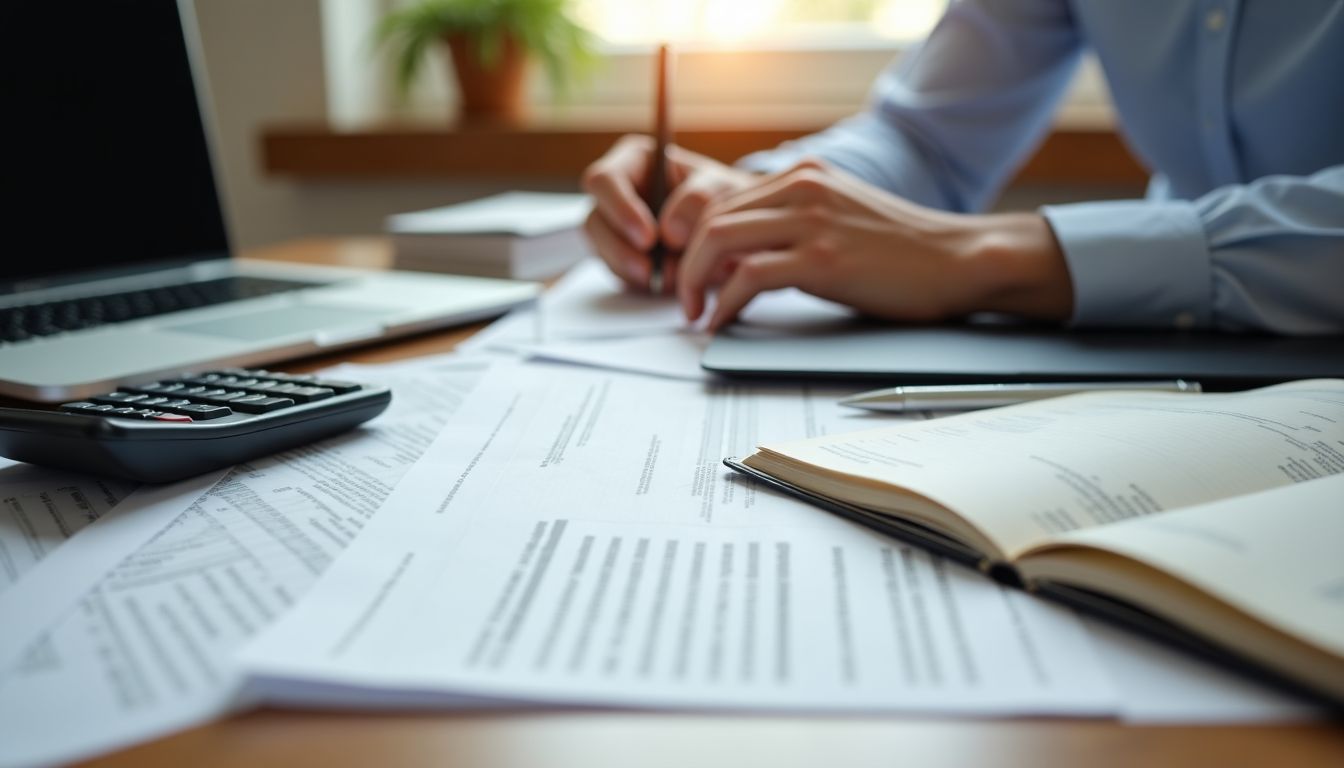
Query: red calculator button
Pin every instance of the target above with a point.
(174, 417)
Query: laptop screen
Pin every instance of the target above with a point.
(106, 163)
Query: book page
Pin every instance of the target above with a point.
(1025, 473)
(147, 647)
(1275, 555)
(573, 538)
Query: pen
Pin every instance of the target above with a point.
(965, 397)
(662, 136)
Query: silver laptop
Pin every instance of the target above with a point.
(116, 265)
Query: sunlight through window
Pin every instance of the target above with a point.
(726, 23)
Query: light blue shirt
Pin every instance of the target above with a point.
(1237, 106)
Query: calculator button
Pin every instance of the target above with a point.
(118, 398)
(176, 418)
(198, 411)
(84, 407)
(339, 387)
(260, 403)
(309, 394)
(159, 387)
(216, 396)
(148, 401)
(296, 392)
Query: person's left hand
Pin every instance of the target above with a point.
(832, 235)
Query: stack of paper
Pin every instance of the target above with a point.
(512, 531)
(522, 235)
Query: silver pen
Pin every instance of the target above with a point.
(966, 397)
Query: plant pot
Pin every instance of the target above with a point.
(494, 94)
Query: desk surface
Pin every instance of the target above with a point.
(599, 739)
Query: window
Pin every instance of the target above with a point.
(737, 60)
(756, 22)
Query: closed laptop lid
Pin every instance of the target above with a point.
(107, 166)
(896, 355)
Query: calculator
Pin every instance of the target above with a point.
(168, 430)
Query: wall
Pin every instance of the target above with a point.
(269, 61)
(264, 64)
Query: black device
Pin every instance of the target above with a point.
(172, 429)
(1015, 352)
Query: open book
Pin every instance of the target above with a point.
(1215, 520)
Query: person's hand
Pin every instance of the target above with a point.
(832, 235)
(622, 229)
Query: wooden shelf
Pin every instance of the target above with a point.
(560, 149)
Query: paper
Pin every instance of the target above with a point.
(1274, 556)
(41, 508)
(672, 356)
(525, 214)
(591, 303)
(612, 560)
(1159, 684)
(1070, 463)
(148, 647)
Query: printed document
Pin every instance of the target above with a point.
(41, 508)
(574, 538)
(148, 646)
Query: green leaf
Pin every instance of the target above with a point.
(543, 28)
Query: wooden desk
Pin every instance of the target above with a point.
(598, 739)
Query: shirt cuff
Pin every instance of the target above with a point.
(1136, 263)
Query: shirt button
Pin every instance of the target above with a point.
(1184, 320)
(1214, 20)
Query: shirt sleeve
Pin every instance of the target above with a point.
(947, 124)
(1268, 256)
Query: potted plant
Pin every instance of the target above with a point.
(490, 43)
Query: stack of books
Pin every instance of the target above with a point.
(521, 235)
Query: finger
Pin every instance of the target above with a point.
(614, 180)
(755, 274)
(685, 206)
(724, 236)
(621, 258)
(809, 183)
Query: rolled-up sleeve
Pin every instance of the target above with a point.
(1266, 256)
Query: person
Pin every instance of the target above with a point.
(1237, 106)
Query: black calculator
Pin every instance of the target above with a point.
(172, 429)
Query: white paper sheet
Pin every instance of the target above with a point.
(41, 508)
(1158, 684)
(671, 356)
(590, 303)
(612, 559)
(147, 648)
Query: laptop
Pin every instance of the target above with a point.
(1001, 351)
(116, 266)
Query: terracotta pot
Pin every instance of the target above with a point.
(493, 95)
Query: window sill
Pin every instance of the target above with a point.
(556, 144)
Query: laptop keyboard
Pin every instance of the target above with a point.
(52, 317)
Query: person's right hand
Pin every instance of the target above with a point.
(622, 229)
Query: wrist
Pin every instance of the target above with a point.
(1018, 267)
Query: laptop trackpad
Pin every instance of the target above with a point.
(285, 321)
